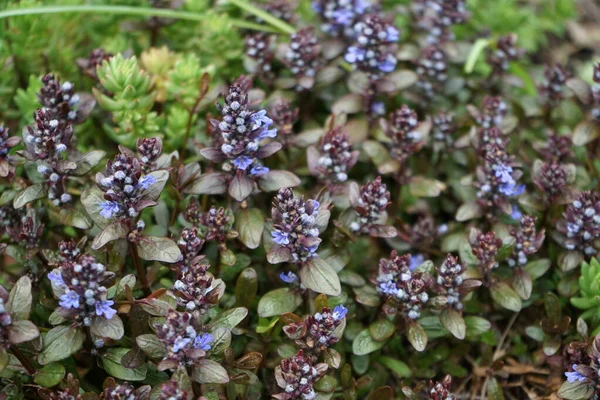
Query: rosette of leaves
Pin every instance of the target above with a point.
(129, 96)
(553, 327)
(15, 327)
(589, 293)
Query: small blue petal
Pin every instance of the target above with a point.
(69, 300)
(204, 341)
(146, 181)
(242, 162)
(109, 208)
(103, 307)
(288, 277)
(339, 312)
(280, 237)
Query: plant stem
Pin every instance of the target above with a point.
(264, 15)
(128, 10)
(23, 360)
(140, 269)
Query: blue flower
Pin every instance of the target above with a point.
(146, 181)
(56, 278)
(504, 173)
(574, 376)
(387, 65)
(388, 287)
(109, 208)
(516, 213)
(378, 108)
(415, 261)
(511, 189)
(354, 54)
(242, 162)
(267, 133)
(69, 300)
(280, 237)
(288, 277)
(316, 206)
(343, 17)
(259, 169)
(339, 312)
(103, 307)
(203, 341)
(180, 343)
(392, 34)
(260, 118)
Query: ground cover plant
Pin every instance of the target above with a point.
(326, 199)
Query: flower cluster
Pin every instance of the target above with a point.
(336, 157)
(527, 241)
(282, 9)
(506, 51)
(5, 322)
(297, 376)
(170, 390)
(239, 134)
(6, 143)
(425, 231)
(190, 245)
(60, 99)
(28, 231)
(552, 180)
(441, 390)
(485, 247)
(125, 391)
(596, 92)
(92, 61)
(302, 57)
(184, 344)
(79, 283)
(581, 225)
(195, 290)
(558, 148)
(402, 287)
(552, 89)
(316, 332)
(149, 150)
(125, 187)
(284, 116)
(258, 48)
(494, 109)
(449, 281)
(216, 221)
(587, 373)
(372, 50)
(497, 180)
(402, 130)
(339, 16)
(374, 197)
(294, 225)
(432, 68)
(442, 131)
(436, 17)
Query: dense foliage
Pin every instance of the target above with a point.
(301, 200)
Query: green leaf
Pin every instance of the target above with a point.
(494, 390)
(229, 319)
(32, 193)
(111, 362)
(108, 328)
(246, 288)
(424, 187)
(114, 231)
(50, 375)
(240, 187)
(153, 192)
(537, 268)
(211, 183)
(363, 343)
(397, 366)
(4, 359)
(278, 302)
(475, 53)
(156, 248)
(59, 343)
(381, 330)
(22, 331)
(209, 371)
(275, 180)
(522, 284)
(71, 217)
(318, 276)
(250, 223)
(476, 325)
(506, 297)
(454, 322)
(19, 299)
(150, 345)
(575, 390)
(417, 336)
